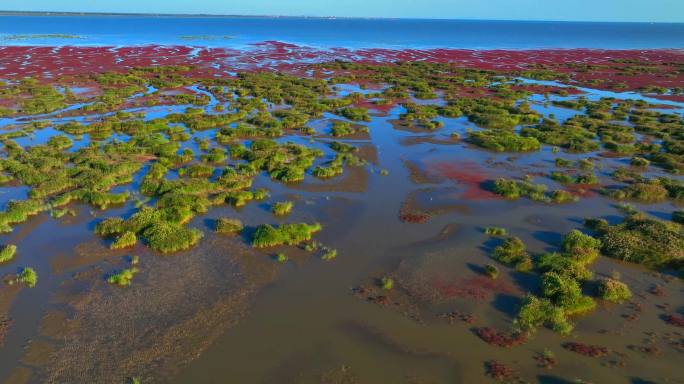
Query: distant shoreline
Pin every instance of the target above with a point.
(201, 15)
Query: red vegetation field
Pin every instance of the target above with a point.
(52, 62)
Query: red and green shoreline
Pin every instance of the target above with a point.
(585, 66)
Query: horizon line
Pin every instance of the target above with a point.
(266, 16)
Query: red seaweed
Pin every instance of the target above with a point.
(500, 339)
(586, 349)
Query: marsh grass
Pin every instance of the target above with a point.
(613, 290)
(123, 278)
(27, 276)
(230, 226)
(282, 208)
(288, 234)
(7, 253)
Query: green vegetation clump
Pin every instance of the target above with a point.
(162, 228)
(495, 231)
(329, 254)
(7, 253)
(503, 141)
(513, 252)
(560, 196)
(649, 192)
(637, 161)
(282, 208)
(27, 276)
(535, 312)
(126, 240)
(356, 114)
(123, 278)
(514, 189)
(289, 234)
(583, 248)
(229, 226)
(491, 271)
(642, 240)
(613, 290)
(386, 283)
(566, 293)
(344, 128)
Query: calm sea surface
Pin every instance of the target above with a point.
(351, 33)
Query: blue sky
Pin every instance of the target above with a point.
(585, 10)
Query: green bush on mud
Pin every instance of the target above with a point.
(289, 234)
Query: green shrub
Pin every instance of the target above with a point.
(495, 231)
(126, 240)
(643, 240)
(613, 290)
(289, 234)
(512, 252)
(7, 253)
(583, 248)
(123, 278)
(282, 208)
(535, 312)
(27, 276)
(329, 254)
(503, 141)
(514, 189)
(564, 264)
(561, 196)
(226, 225)
(167, 237)
(386, 283)
(637, 161)
(491, 271)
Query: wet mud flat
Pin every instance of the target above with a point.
(355, 221)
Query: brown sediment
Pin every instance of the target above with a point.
(368, 152)
(455, 315)
(394, 299)
(428, 139)
(444, 234)
(85, 254)
(418, 175)
(354, 179)
(7, 295)
(172, 312)
(37, 353)
(19, 375)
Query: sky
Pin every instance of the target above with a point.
(566, 10)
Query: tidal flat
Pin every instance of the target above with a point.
(299, 215)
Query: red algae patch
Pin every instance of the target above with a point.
(586, 349)
(500, 339)
(480, 288)
(468, 174)
(499, 371)
(675, 320)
